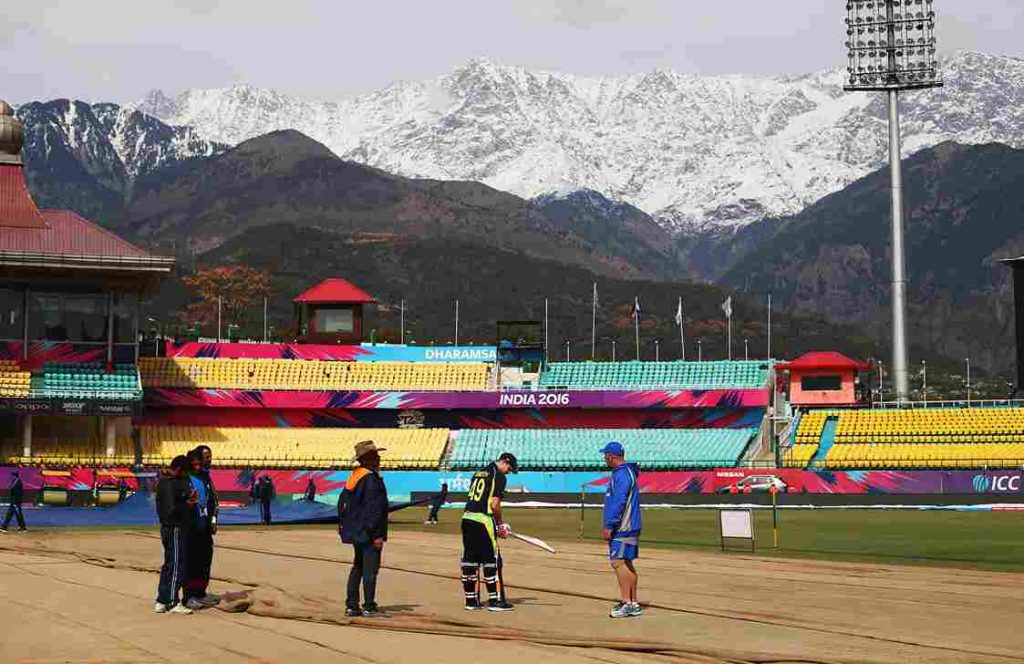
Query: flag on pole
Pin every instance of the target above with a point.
(636, 308)
(727, 307)
(679, 312)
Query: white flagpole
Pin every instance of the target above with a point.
(401, 332)
(728, 324)
(456, 323)
(545, 329)
(769, 325)
(264, 320)
(220, 303)
(636, 325)
(682, 336)
(593, 324)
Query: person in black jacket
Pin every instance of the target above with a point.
(311, 489)
(267, 495)
(174, 500)
(17, 494)
(363, 523)
(436, 504)
(202, 528)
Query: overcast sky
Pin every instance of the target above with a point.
(116, 50)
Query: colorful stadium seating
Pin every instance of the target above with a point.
(15, 383)
(741, 374)
(577, 449)
(87, 381)
(913, 438)
(294, 447)
(275, 374)
(69, 452)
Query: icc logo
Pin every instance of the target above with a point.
(1000, 483)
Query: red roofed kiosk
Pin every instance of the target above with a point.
(823, 378)
(331, 312)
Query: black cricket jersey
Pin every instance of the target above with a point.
(486, 484)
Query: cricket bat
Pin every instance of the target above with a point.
(535, 541)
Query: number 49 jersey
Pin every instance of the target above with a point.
(486, 484)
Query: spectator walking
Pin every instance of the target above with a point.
(15, 498)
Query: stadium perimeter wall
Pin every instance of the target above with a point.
(402, 484)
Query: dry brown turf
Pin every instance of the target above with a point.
(87, 595)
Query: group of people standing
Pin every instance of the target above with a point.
(187, 505)
(363, 523)
(263, 493)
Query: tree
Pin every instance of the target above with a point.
(239, 288)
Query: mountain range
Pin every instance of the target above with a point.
(697, 153)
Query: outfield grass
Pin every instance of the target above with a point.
(988, 540)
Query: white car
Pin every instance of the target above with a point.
(756, 484)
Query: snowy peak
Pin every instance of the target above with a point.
(697, 152)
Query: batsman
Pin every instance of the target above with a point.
(482, 525)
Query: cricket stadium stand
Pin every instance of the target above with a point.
(15, 382)
(274, 374)
(305, 447)
(88, 380)
(576, 449)
(936, 437)
(738, 374)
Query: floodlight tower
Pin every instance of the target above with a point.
(891, 46)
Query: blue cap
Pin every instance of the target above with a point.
(613, 448)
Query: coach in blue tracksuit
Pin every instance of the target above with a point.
(622, 526)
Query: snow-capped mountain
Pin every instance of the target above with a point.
(695, 151)
(90, 156)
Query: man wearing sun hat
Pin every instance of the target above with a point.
(622, 526)
(363, 522)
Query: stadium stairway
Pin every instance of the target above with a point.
(827, 440)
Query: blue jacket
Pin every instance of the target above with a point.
(622, 501)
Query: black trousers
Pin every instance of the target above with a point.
(175, 567)
(265, 511)
(199, 559)
(365, 567)
(14, 509)
(434, 509)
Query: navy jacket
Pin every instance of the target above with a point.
(365, 514)
(172, 500)
(17, 491)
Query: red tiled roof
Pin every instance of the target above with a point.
(66, 234)
(336, 291)
(17, 209)
(824, 360)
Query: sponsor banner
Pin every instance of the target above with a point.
(361, 353)
(69, 407)
(566, 418)
(402, 483)
(529, 399)
(41, 352)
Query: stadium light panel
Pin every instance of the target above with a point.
(891, 45)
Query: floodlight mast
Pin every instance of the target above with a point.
(891, 46)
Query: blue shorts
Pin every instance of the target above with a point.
(627, 548)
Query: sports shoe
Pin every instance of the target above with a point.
(353, 613)
(474, 606)
(499, 606)
(209, 600)
(180, 608)
(160, 607)
(635, 610)
(3, 530)
(620, 610)
(194, 604)
(428, 522)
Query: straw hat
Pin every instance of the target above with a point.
(364, 447)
